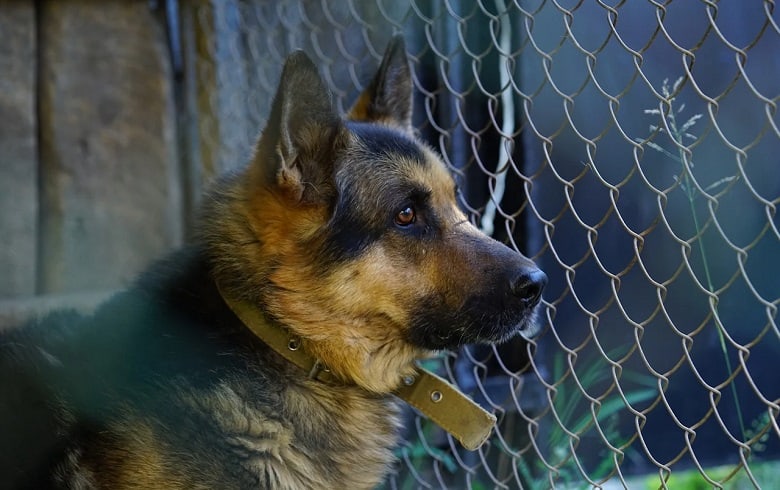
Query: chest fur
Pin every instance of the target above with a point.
(318, 437)
(307, 435)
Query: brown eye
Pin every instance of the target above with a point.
(405, 216)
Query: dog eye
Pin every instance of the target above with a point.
(405, 216)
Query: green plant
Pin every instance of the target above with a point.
(764, 474)
(572, 409)
(419, 456)
(679, 133)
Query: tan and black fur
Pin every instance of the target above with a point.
(345, 231)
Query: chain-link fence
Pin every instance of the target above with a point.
(631, 149)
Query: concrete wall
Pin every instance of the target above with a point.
(90, 184)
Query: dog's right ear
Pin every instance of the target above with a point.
(295, 153)
(388, 98)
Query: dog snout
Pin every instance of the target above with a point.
(527, 286)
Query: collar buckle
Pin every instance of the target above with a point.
(318, 367)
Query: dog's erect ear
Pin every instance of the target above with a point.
(388, 98)
(295, 153)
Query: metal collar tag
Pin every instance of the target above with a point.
(431, 395)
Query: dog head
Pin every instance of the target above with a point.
(347, 231)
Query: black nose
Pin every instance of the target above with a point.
(528, 286)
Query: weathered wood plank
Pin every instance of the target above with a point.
(110, 177)
(18, 149)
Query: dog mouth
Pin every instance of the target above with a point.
(525, 324)
(435, 329)
(530, 327)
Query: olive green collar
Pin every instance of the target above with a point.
(434, 397)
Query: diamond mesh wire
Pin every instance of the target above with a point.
(628, 147)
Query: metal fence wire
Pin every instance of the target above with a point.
(631, 149)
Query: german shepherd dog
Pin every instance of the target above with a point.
(344, 231)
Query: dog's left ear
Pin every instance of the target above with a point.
(296, 150)
(388, 98)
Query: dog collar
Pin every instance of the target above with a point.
(431, 395)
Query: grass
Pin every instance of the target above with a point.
(765, 475)
(680, 133)
(572, 409)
